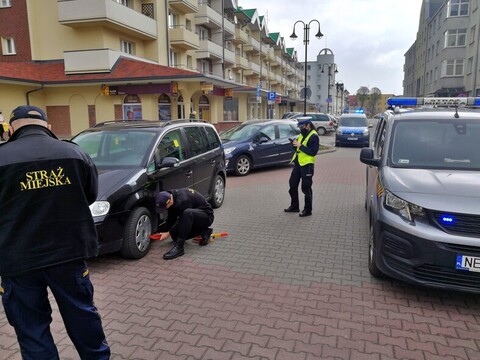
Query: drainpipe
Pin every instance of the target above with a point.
(475, 65)
(27, 94)
(167, 34)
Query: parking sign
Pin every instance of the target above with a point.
(271, 95)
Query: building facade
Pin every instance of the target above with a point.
(87, 61)
(444, 59)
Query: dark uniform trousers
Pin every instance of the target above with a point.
(191, 223)
(28, 310)
(304, 173)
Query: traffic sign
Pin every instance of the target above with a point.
(271, 95)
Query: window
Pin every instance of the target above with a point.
(438, 47)
(197, 141)
(172, 20)
(455, 37)
(173, 58)
(452, 67)
(172, 145)
(5, 3)
(472, 34)
(8, 46)
(126, 47)
(124, 2)
(470, 65)
(458, 7)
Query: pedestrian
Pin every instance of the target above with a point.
(189, 215)
(46, 233)
(3, 127)
(307, 146)
(193, 115)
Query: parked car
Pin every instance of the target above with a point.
(258, 143)
(423, 195)
(353, 129)
(135, 160)
(324, 123)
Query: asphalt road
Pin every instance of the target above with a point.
(278, 287)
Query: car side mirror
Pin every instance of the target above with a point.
(167, 162)
(262, 140)
(367, 157)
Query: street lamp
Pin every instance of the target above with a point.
(330, 67)
(306, 40)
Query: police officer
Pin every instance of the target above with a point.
(46, 233)
(189, 215)
(307, 146)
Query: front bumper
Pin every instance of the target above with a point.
(421, 261)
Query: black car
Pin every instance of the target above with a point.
(259, 143)
(135, 160)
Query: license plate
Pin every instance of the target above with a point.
(352, 138)
(468, 263)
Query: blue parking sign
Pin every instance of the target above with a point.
(271, 95)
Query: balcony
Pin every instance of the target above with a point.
(107, 13)
(253, 69)
(229, 28)
(183, 38)
(209, 49)
(184, 6)
(241, 62)
(241, 37)
(90, 61)
(253, 45)
(229, 57)
(208, 16)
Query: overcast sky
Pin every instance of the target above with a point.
(369, 38)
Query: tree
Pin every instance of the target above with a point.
(375, 96)
(362, 95)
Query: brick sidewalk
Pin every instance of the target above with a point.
(278, 287)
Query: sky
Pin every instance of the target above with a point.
(369, 38)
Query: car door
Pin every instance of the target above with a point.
(265, 152)
(378, 145)
(171, 144)
(203, 159)
(285, 148)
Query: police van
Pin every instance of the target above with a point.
(423, 193)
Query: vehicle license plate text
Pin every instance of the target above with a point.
(352, 138)
(468, 263)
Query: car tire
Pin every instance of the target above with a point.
(321, 131)
(218, 194)
(372, 263)
(243, 165)
(136, 237)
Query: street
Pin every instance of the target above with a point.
(277, 287)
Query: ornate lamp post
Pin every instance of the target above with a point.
(306, 40)
(330, 67)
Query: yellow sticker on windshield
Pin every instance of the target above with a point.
(175, 142)
(117, 140)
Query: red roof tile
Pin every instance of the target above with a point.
(53, 72)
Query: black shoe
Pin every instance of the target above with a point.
(174, 252)
(305, 213)
(206, 237)
(291, 209)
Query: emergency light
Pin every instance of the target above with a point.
(434, 101)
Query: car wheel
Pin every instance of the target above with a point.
(372, 263)
(243, 165)
(321, 131)
(136, 238)
(218, 192)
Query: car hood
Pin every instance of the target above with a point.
(351, 129)
(444, 190)
(232, 143)
(111, 180)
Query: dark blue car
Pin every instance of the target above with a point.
(258, 143)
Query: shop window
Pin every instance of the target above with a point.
(132, 107)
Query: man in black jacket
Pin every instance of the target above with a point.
(46, 233)
(189, 215)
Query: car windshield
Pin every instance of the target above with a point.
(440, 144)
(116, 148)
(241, 132)
(353, 122)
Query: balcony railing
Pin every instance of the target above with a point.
(184, 6)
(183, 38)
(90, 61)
(106, 13)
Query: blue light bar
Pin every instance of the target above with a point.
(434, 101)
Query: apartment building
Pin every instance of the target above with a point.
(444, 59)
(87, 61)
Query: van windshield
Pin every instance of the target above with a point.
(353, 122)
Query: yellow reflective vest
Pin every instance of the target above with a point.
(304, 159)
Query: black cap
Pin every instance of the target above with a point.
(27, 112)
